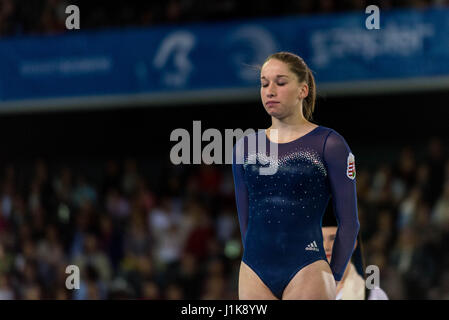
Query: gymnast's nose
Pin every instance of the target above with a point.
(271, 91)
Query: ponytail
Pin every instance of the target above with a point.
(309, 101)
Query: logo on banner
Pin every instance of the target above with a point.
(173, 60)
(350, 171)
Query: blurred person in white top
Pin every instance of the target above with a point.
(440, 214)
(352, 285)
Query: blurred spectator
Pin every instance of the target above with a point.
(436, 161)
(117, 205)
(83, 192)
(95, 259)
(151, 291)
(407, 208)
(226, 225)
(111, 178)
(406, 167)
(48, 16)
(200, 235)
(130, 177)
(188, 276)
(164, 224)
(6, 292)
(32, 292)
(440, 214)
(62, 185)
(327, 6)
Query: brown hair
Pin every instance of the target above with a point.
(297, 65)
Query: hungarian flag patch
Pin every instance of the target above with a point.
(350, 171)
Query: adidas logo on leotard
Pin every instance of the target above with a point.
(312, 246)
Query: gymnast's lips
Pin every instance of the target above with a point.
(271, 103)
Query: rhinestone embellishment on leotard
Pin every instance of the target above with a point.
(311, 156)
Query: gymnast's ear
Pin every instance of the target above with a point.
(303, 90)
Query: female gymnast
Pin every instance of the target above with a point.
(280, 214)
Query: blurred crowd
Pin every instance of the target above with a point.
(177, 237)
(24, 17)
(404, 216)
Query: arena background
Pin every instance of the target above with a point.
(96, 188)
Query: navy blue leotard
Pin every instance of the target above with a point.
(280, 214)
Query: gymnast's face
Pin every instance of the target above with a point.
(329, 234)
(328, 240)
(280, 90)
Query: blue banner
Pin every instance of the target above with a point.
(213, 59)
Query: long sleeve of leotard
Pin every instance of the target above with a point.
(337, 157)
(241, 191)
